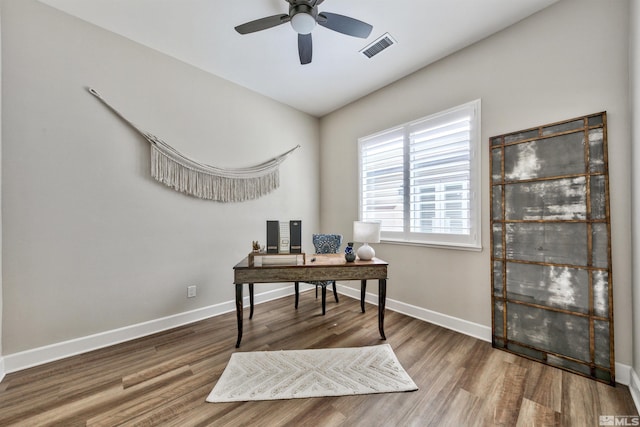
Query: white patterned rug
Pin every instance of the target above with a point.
(290, 374)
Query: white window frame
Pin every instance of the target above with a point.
(469, 239)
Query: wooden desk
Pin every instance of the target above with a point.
(325, 267)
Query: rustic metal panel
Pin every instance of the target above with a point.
(551, 246)
(598, 199)
(596, 150)
(525, 351)
(602, 333)
(596, 120)
(601, 293)
(550, 157)
(496, 207)
(550, 331)
(563, 127)
(498, 325)
(497, 241)
(547, 242)
(498, 282)
(520, 136)
(564, 198)
(496, 165)
(548, 285)
(568, 364)
(600, 237)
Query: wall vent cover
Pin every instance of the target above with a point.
(378, 45)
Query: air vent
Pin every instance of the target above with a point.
(378, 45)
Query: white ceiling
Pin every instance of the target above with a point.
(201, 33)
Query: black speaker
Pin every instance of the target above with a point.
(295, 236)
(273, 236)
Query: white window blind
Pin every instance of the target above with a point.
(420, 180)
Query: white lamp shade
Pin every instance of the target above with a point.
(366, 232)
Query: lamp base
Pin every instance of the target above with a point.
(366, 252)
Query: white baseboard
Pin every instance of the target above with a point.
(2, 371)
(41, 355)
(634, 388)
(481, 332)
(623, 374)
(459, 325)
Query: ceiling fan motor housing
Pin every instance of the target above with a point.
(303, 17)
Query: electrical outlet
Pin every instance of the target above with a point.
(191, 291)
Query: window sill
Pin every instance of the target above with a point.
(452, 246)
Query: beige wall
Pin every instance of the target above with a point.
(568, 60)
(635, 120)
(91, 242)
(1, 304)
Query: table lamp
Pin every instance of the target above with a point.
(365, 233)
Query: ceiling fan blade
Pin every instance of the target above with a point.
(316, 3)
(262, 23)
(305, 48)
(344, 24)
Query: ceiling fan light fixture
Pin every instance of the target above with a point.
(303, 23)
(303, 16)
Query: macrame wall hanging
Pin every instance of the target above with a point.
(177, 171)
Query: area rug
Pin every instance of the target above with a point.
(292, 374)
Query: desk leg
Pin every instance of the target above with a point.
(363, 293)
(239, 311)
(250, 300)
(382, 299)
(324, 299)
(297, 289)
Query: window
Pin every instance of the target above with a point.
(421, 180)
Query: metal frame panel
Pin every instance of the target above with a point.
(551, 280)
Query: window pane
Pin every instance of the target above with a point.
(439, 165)
(382, 178)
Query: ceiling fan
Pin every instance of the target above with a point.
(303, 16)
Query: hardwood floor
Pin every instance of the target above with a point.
(164, 379)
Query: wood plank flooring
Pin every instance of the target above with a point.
(163, 380)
